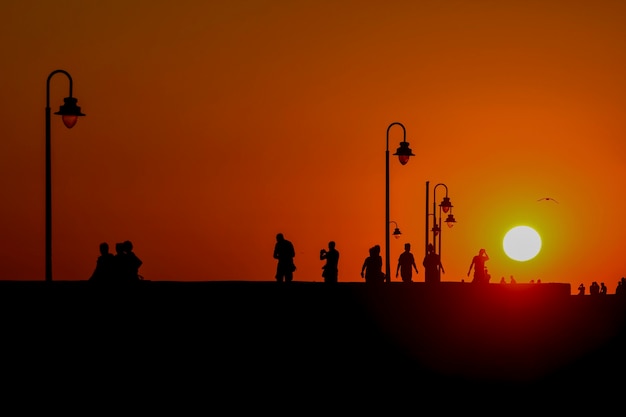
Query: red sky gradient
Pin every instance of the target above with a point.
(212, 126)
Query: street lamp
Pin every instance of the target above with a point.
(69, 113)
(396, 231)
(403, 153)
(445, 206)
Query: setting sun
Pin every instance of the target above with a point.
(522, 243)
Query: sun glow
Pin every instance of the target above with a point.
(522, 243)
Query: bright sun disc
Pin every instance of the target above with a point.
(522, 243)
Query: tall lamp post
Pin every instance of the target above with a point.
(69, 112)
(403, 153)
(445, 206)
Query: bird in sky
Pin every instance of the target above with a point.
(548, 199)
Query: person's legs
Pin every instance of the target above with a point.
(279, 273)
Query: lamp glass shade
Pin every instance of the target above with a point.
(397, 233)
(69, 121)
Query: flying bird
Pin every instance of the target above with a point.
(548, 199)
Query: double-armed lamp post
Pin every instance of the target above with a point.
(446, 207)
(69, 112)
(403, 153)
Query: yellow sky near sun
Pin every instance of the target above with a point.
(212, 126)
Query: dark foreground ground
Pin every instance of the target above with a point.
(305, 348)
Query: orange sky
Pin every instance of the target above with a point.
(212, 126)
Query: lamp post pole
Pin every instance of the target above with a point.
(69, 112)
(444, 206)
(403, 153)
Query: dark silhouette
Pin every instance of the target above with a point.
(478, 263)
(372, 269)
(581, 289)
(432, 265)
(132, 263)
(330, 270)
(502, 280)
(126, 263)
(105, 265)
(594, 288)
(487, 276)
(513, 280)
(406, 264)
(621, 287)
(548, 199)
(602, 289)
(284, 252)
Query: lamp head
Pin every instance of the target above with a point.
(404, 152)
(397, 233)
(435, 229)
(69, 112)
(450, 220)
(446, 205)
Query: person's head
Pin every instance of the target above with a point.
(119, 248)
(430, 247)
(331, 244)
(127, 246)
(280, 237)
(481, 252)
(104, 248)
(407, 247)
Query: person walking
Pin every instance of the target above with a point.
(284, 252)
(330, 270)
(432, 265)
(406, 264)
(478, 263)
(372, 269)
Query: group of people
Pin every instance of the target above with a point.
(372, 272)
(594, 288)
(372, 268)
(121, 267)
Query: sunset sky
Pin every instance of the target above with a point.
(211, 126)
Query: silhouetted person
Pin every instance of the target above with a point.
(513, 280)
(432, 265)
(105, 265)
(581, 289)
(330, 270)
(120, 263)
(502, 280)
(131, 263)
(372, 269)
(621, 287)
(284, 252)
(406, 264)
(487, 276)
(478, 263)
(602, 289)
(594, 288)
